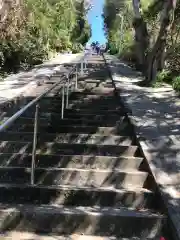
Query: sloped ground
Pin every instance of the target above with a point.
(24, 82)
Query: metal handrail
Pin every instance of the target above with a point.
(11, 120)
(65, 84)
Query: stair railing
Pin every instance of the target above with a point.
(66, 82)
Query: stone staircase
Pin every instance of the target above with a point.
(91, 182)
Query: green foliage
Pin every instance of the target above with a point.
(121, 40)
(38, 27)
(82, 31)
(176, 83)
(164, 76)
(118, 23)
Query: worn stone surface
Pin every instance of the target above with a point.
(156, 116)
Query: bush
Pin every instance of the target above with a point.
(176, 83)
(113, 49)
(76, 47)
(164, 76)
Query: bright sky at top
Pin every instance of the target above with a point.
(96, 21)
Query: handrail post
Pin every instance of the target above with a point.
(62, 103)
(82, 71)
(76, 77)
(67, 93)
(34, 144)
(85, 66)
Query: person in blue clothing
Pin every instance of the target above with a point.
(97, 48)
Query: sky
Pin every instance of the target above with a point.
(96, 22)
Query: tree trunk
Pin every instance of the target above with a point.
(157, 53)
(141, 35)
(161, 60)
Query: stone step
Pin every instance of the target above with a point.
(122, 222)
(85, 84)
(75, 177)
(93, 119)
(90, 106)
(96, 81)
(76, 97)
(79, 115)
(85, 92)
(83, 106)
(73, 107)
(98, 90)
(74, 196)
(74, 111)
(76, 94)
(100, 101)
(68, 149)
(93, 110)
(57, 101)
(71, 121)
(71, 161)
(102, 91)
(68, 138)
(123, 129)
(48, 116)
(14, 235)
(23, 120)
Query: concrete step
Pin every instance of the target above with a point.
(88, 96)
(76, 96)
(48, 116)
(68, 149)
(71, 161)
(71, 121)
(73, 96)
(100, 101)
(96, 91)
(75, 177)
(95, 120)
(73, 107)
(79, 115)
(14, 235)
(88, 106)
(67, 114)
(68, 138)
(91, 106)
(74, 111)
(23, 120)
(103, 104)
(81, 220)
(57, 101)
(85, 92)
(123, 129)
(74, 196)
(89, 109)
(96, 81)
(86, 84)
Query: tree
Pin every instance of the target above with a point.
(155, 30)
(154, 59)
(32, 29)
(82, 30)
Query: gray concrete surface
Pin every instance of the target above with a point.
(155, 113)
(24, 82)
